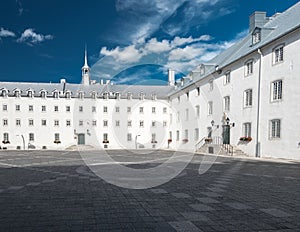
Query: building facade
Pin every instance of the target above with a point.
(247, 96)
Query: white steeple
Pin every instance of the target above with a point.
(85, 71)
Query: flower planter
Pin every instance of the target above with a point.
(5, 142)
(57, 141)
(153, 141)
(105, 141)
(208, 140)
(245, 139)
(185, 140)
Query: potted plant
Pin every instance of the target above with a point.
(5, 142)
(105, 141)
(169, 140)
(57, 141)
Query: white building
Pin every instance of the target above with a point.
(246, 96)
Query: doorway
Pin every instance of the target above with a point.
(226, 134)
(81, 139)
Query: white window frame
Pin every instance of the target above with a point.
(226, 103)
(278, 54)
(210, 107)
(276, 90)
(247, 129)
(248, 98)
(249, 67)
(275, 129)
(227, 77)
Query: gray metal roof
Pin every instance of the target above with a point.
(275, 28)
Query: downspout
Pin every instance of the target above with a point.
(257, 145)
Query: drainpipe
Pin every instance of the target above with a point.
(257, 145)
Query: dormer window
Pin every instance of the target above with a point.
(117, 94)
(4, 93)
(154, 97)
(68, 95)
(202, 70)
(55, 94)
(105, 95)
(142, 96)
(256, 36)
(80, 95)
(94, 95)
(43, 94)
(129, 96)
(30, 93)
(17, 93)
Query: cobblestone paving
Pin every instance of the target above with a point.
(55, 191)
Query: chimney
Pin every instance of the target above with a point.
(257, 19)
(171, 77)
(101, 82)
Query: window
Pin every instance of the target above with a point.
(30, 122)
(186, 114)
(56, 108)
(178, 116)
(226, 103)
(227, 77)
(248, 67)
(275, 128)
(276, 90)
(177, 135)
(68, 95)
(129, 123)
(94, 109)
(104, 109)
(165, 110)
(5, 122)
(129, 96)
(248, 98)
(55, 94)
(5, 137)
(43, 108)
(178, 99)
(117, 123)
(256, 36)
(80, 95)
(153, 123)
(31, 137)
(153, 97)
(56, 136)
(30, 107)
(17, 93)
(170, 135)
(164, 123)
(105, 137)
(44, 122)
(210, 108)
(68, 122)
(196, 134)
(4, 93)
(94, 123)
(129, 137)
(247, 129)
(142, 96)
(171, 118)
(153, 110)
(68, 108)
(94, 95)
(80, 123)
(117, 109)
(141, 110)
(4, 107)
(186, 134)
(118, 95)
(128, 109)
(43, 94)
(80, 108)
(187, 95)
(198, 91)
(141, 123)
(56, 123)
(153, 137)
(202, 70)
(18, 122)
(278, 54)
(105, 95)
(105, 123)
(17, 107)
(197, 111)
(211, 85)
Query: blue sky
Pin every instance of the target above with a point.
(127, 40)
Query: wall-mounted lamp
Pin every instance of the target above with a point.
(228, 122)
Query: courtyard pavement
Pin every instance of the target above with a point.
(56, 191)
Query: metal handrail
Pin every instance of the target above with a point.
(228, 148)
(197, 145)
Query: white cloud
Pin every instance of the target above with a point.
(186, 53)
(30, 37)
(128, 54)
(178, 41)
(156, 46)
(6, 33)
